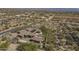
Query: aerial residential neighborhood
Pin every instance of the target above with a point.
(38, 30)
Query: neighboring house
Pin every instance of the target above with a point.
(27, 35)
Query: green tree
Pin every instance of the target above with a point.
(49, 38)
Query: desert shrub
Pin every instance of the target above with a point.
(4, 46)
(27, 47)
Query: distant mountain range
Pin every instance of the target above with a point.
(43, 9)
(58, 9)
(64, 9)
